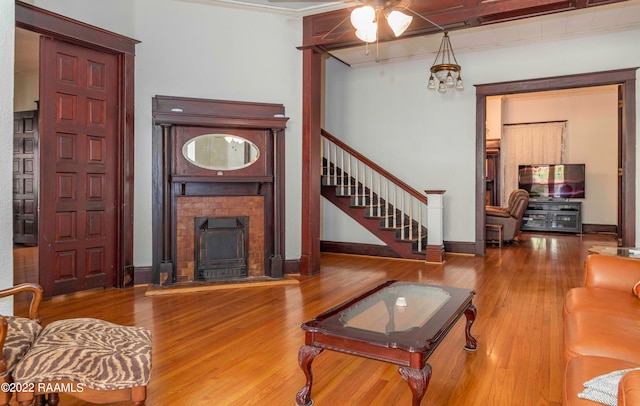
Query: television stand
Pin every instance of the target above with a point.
(553, 215)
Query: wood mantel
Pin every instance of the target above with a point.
(177, 120)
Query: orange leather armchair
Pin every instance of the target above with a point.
(509, 217)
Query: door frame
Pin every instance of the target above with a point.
(626, 79)
(66, 29)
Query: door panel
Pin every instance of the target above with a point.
(79, 93)
(25, 177)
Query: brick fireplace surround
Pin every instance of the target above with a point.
(190, 207)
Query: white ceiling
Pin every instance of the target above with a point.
(584, 22)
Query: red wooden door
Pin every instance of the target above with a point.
(78, 164)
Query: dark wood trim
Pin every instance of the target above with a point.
(66, 29)
(460, 247)
(266, 121)
(435, 253)
(221, 179)
(413, 192)
(450, 15)
(311, 161)
(625, 78)
(481, 162)
(142, 275)
(603, 78)
(292, 266)
(372, 250)
(599, 228)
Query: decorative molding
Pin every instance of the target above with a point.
(460, 247)
(435, 253)
(292, 266)
(371, 250)
(599, 228)
(142, 275)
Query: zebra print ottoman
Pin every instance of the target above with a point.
(88, 358)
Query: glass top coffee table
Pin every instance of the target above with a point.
(397, 322)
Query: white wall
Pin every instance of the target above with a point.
(7, 35)
(428, 139)
(205, 51)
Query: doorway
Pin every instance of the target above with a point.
(625, 79)
(73, 262)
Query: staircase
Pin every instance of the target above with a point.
(384, 205)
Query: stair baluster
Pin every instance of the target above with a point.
(380, 197)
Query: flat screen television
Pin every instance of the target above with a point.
(552, 181)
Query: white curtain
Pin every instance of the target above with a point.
(528, 144)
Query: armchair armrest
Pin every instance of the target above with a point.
(629, 389)
(611, 272)
(497, 212)
(3, 336)
(34, 306)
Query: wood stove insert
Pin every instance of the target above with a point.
(221, 248)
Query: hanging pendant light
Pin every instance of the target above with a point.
(445, 68)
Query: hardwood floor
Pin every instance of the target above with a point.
(240, 347)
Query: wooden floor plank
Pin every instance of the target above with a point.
(239, 346)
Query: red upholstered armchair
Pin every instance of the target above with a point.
(509, 217)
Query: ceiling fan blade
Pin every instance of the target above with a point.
(339, 30)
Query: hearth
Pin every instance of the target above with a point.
(221, 248)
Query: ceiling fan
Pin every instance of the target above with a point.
(366, 17)
(445, 71)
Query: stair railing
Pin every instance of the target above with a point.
(371, 185)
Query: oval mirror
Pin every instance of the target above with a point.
(223, 152)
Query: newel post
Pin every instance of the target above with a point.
(435, 225)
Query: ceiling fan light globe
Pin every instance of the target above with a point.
(368, 33)
(361, 17)
(399, 22)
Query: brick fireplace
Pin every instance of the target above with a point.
(190, 207)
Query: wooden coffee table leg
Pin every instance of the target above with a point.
(306, 355)
(418, 380)
(470, 314)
